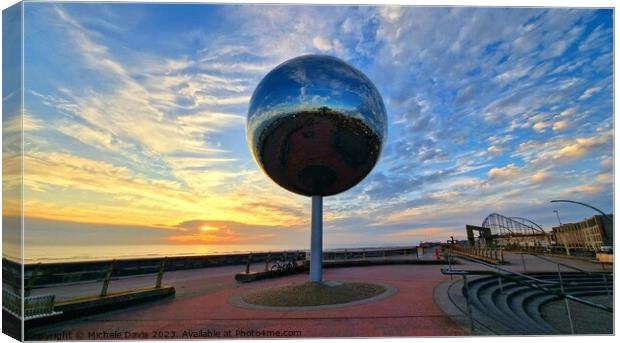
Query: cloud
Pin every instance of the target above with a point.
(568, 112)
(513, 74)
(93, 137)
(108, 112)
(541, 126)
(540, 176)
(22, 123)
(391, 13)
(589, 92)
(466, 94)
(493, 149)
(135, 111)
(89, 190)
(561, 150)
(607, 164)
(587, 189)
(501, 139)
(556, 49)
(508, 172)
(321, 43)
(445, 195)
(605, 178)
(134, 115)
(579, 148)
(598, 39)
(560, 125)
(381, 186)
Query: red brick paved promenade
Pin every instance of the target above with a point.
(201, 306)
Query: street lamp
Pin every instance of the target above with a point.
(586, 205)
(558, 215)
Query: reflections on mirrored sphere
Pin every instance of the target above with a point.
(316, 125)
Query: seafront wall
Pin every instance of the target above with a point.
(68, 272)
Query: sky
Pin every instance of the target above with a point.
(134, 123)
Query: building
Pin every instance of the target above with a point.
(509, 232)
(589, 234)
(484, 237)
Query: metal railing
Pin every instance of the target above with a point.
(511, 276)
(34, 306)
(498, 269)
(604, 276)
(544, 289)
(491, 254)
(39, 306)
(12, 303)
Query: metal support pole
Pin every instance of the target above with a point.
(450, 260)
(605, 282)
(106, 280)
(316, 241)
(469, 314)
(247, 265)
(499, 280)
(570, 317)
(558, 215)
(523, 262)
(33, 276)
(160, 273)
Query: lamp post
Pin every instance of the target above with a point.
(558, 215)
(589, 206)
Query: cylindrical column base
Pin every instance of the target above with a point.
(316, 240)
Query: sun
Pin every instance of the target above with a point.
(208, 228)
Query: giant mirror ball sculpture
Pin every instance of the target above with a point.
(316, 125)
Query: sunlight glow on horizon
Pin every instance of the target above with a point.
(208, 228)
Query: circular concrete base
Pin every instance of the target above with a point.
(310, 296)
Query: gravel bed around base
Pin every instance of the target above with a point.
(313, 296)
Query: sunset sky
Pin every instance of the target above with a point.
(135, 122)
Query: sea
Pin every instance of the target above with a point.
(72, 253)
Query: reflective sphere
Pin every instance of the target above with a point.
(316, 125)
